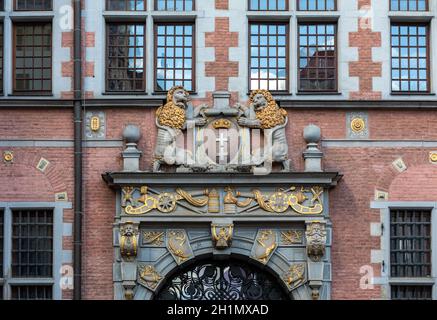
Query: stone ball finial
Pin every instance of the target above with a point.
(132, 134)
(312, 134)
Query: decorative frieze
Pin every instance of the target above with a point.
(293, 200)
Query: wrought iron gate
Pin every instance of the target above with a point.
(222, 281)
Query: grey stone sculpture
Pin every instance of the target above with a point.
(171, 120)
(264, 113)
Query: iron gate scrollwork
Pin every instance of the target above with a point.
(222, 281)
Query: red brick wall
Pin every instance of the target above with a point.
(363, 169)
(365, 68)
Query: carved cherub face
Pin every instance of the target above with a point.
(180, 98)
(259, 102)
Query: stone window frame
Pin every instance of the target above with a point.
(318, 68)
(58, 214)
(386, 281)
(427, 5)
(268, 3)
(298, 6)
(107, 4)
(156, 6)
(144, 56)
(17, 8)
(428, 59)
(287, 55)
(149, 17)
(172, 22)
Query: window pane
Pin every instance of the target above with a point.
(126, 5)
(268, 5)
(33, 57)
(409, 51)
(174, 5)
(316, 5)
(174, 56)
(411, 292)
(317, 57)
(268, 56)
(410, 243)
(125, 70)
(408, 5)
(2, 5)
(37, 5)
(32, 243)
(31, 292)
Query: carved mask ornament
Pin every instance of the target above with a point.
(128, 239)
(316, 240)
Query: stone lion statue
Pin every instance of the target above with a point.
(264, 113)
(171, 120)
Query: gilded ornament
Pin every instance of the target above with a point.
(153, 238)
(270, 116)
(358, 125)
(178, 245)
(279, 202)
(8, 156)
(222, 124)
(265, 245)
(213, 201)
(95, 124)
(222, 235)
(291, 237)
(128, 239)
(433, 157)
(166, 202)
(295, 276)
(148, 276)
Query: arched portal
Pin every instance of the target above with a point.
(222, 280)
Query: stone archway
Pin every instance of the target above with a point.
(228, 279)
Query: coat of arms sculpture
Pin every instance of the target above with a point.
(221, 138)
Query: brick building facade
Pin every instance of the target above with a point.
(371, 91)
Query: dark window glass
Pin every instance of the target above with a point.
(174, 52)
(125, 5)
(32, 243)
(1, 292)
(316, 5)
(411, 292)
(1, 57)
(31, 292)
(2, 5)
(174, 5)
(33, 5)
(125, 57)
(408, 5)
(409, 58)
(1, 242)
(268, 56)
(410, 243)
(33, 58)
(268, 5)
(317, 57)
